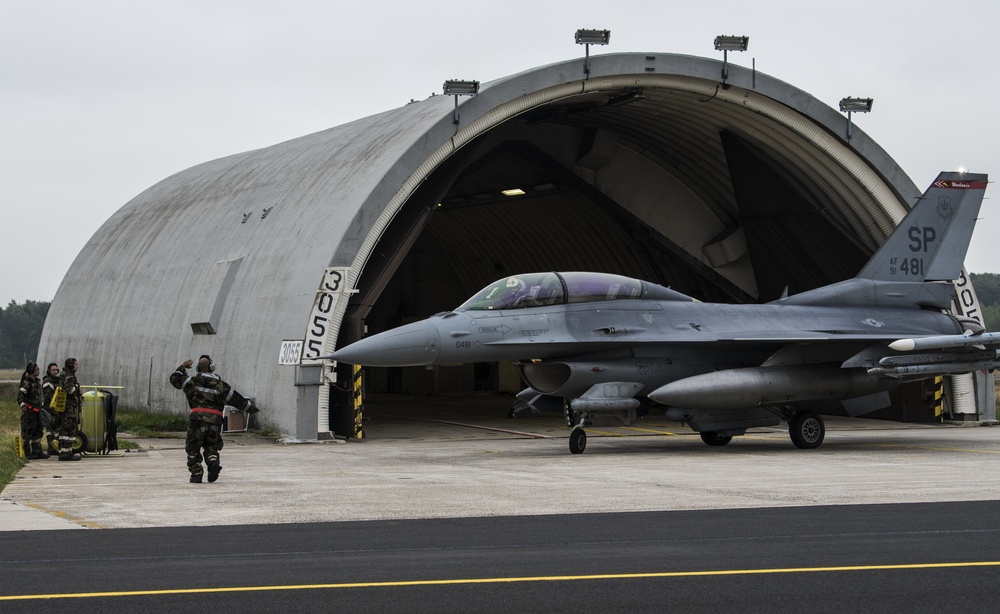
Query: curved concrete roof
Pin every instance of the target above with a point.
(649, 167)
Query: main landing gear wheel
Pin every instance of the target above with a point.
(713, 438)
(806, 430)
(577, 441)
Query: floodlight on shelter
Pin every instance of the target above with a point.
(588, 38)
(725, 44)
(593, 37)
(456, 88)
(461, 88)
(855, 105)
(732, 43)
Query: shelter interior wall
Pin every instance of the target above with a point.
(619, 210)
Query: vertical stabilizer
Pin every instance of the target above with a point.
(931, 242)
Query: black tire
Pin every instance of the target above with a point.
(577, 441)
(713, 438)
(807, 430)
(80, 445)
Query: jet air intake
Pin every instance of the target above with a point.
(766, 386)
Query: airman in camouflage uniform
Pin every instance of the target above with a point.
(207, 395)
(29, 397)
(71, 416)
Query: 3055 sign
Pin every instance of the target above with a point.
(291, 353)
(331, 289)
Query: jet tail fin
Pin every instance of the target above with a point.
(931, 242)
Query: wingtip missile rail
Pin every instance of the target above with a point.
(922, 371)
(945, 341)
(909, 360)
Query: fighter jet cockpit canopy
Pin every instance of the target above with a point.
(541, 289)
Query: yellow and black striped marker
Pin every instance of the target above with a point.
(359, 406)
(938, 389)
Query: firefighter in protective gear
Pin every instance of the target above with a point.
(207, 395)
(71, 415)
(49, 382)
(29, 397)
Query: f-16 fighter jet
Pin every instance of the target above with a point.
(603, 348)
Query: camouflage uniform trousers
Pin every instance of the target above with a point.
(55, 420)
(67, 429)
(204, 433)
(31, 430)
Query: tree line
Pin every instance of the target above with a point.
(987, 287)
(20, 332)
(21, 325)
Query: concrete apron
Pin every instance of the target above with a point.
(461, 457)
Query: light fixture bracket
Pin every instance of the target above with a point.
(588, 38)
(458, 87)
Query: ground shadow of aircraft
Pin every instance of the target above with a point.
(606, 349)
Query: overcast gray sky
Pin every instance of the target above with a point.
(101, 99)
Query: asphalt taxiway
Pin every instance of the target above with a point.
(930, 557)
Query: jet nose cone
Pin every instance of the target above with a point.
(407, 346)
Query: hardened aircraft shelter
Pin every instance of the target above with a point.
(648, 166)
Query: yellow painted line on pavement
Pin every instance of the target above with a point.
(654, 431)
(514, 580)
(933, 448)
(83, 522)
(592, 431)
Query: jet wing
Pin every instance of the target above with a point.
(885, 355)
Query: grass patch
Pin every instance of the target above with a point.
(135, 423)
(10, 428)
(149, 424)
